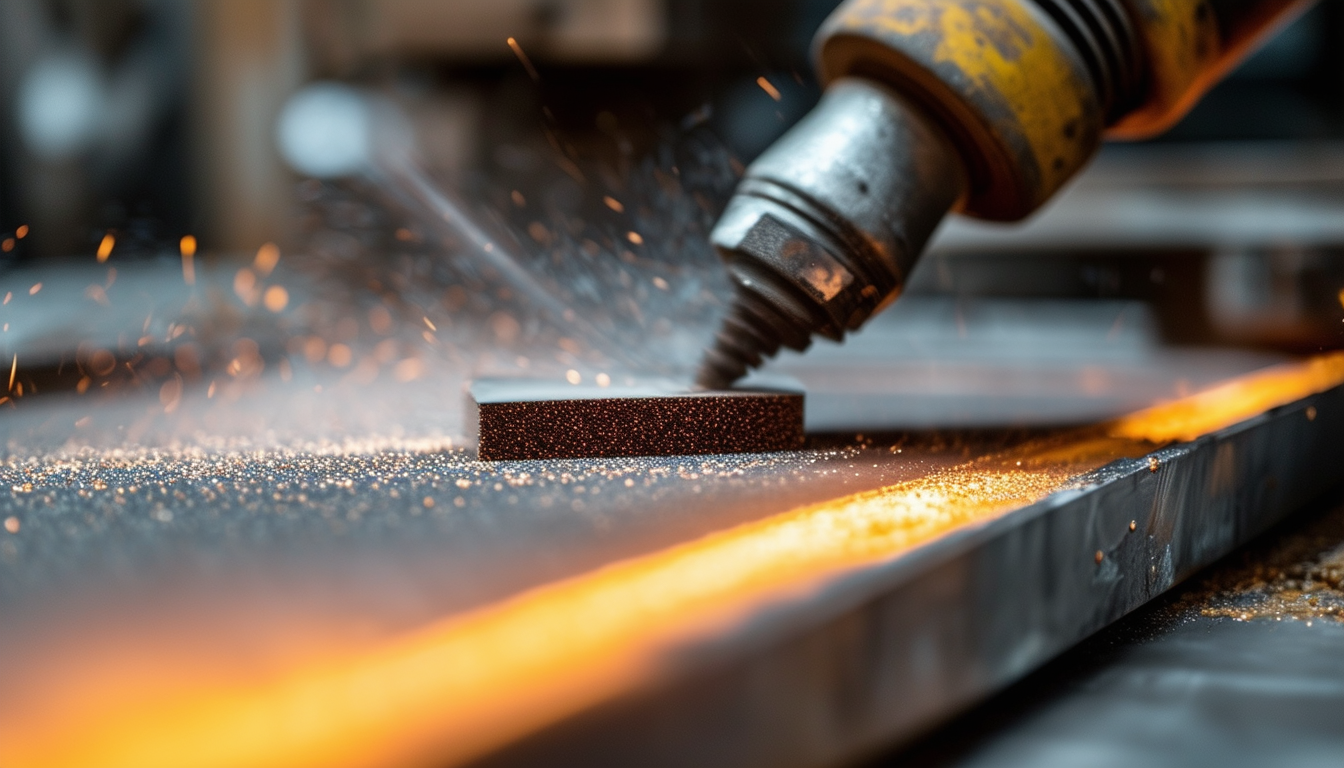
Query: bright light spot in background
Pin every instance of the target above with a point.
(105, 247)
(187, 246)
(276, 298)
(324, 131)
(339, 355)
(60, 101)
(268, 255)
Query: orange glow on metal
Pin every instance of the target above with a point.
(473, 682)
(1232, 402)
(465, 685)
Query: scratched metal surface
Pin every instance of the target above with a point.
(397, 531)
(1244, 666)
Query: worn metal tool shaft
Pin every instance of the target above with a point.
(986, 107)
(800, 267)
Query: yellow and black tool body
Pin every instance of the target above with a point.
(986, 107)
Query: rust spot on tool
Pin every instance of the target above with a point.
(544, 420)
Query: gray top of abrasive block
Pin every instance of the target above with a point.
(523, 390)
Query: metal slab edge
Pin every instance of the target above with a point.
(880, 655)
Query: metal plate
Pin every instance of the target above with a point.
(877, 657)
(230, 574)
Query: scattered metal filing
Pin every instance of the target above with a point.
(528, 419)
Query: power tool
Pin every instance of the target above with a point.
(983, 107)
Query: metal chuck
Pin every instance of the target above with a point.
(826, 225)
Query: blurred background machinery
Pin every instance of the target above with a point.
(158, 119)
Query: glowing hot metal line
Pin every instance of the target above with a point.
(1232, 401)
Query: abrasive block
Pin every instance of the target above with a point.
(522, 419)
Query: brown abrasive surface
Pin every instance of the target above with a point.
(662, 425)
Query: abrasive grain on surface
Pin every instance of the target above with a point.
(729, 422)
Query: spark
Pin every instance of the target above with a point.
(603, 380)
(616, 206)
(13, 371)
(635, 238)
(36, 287)
(769, 88)
(339, 355)
(98, 294)
(105, 247)
(7, 245)
(276, 298)
(8, 295)
(573, 376)
(315, 349)
(527, 63)
(187, 246)
(21, 232)
(432, 327)
(268, 256)
(409, 369)
(170, 394)
(245, 286)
